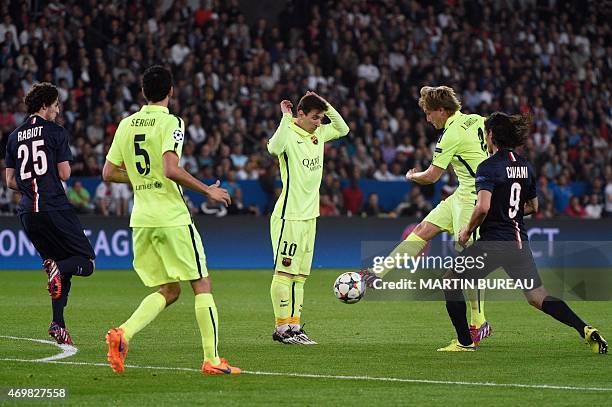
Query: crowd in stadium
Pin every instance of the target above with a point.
(368, 58)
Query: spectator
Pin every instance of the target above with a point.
(353, 195)
(383, 174)
(608, 196)
(327, 206)
(197, 134)
(7, 120)
(594, 208)
(106, 199)
(237, 207)
(112, 199)
(238, 159)
(574, 209)
(372, 207)
(79, 197)
(414, 204)
(562, 194)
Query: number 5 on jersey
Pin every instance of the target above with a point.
(139, 151)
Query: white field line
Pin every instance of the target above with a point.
(54, 360)
(67, 350)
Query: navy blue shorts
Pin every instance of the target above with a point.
(518, 263)
(57, 235)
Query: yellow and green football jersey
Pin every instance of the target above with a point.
(300, 156)
(140, 142)
(463, 145)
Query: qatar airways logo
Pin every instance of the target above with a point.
(313, 164)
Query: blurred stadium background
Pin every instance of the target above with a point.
(233, 61)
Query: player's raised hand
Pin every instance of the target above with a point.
(464, 236)
(308, 93)
(217, 194)
(286, 106)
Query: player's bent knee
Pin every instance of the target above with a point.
(426, 230)
(536, 297)
(171, 292)
(89, 268)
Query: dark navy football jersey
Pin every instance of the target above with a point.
(511, 180)
(34, 149)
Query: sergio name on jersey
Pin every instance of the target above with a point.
(463, 145)
(140, 142)
(300, 155)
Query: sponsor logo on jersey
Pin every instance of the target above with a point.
(313, 164)
(151, 185)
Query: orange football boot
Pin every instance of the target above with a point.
(117, 349)
(222, 368)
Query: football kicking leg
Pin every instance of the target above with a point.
(412, 246)
(559, 310)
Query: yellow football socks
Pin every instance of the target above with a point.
(476, 300)
(208, 322)
(412, 246)
(280, 292)
(296, 302)
(146, 312)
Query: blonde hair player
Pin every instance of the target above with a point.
(461, 144)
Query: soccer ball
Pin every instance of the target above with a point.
(349, 288)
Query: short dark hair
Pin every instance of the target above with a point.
(509, 131)
(156, 83)
(41, 95)
(311, 102)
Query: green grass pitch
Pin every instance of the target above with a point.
(372, 338)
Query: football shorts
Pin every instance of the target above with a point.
(169, 254)
(453, 213)
(293, 244)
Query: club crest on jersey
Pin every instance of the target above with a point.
(286, 261)
(178, 135)
(314, 140)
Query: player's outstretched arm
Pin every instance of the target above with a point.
(113, 173)
(430, 176)
(478, 216)
(173, 171)
(11, 182)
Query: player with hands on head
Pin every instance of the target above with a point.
(299, 145)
